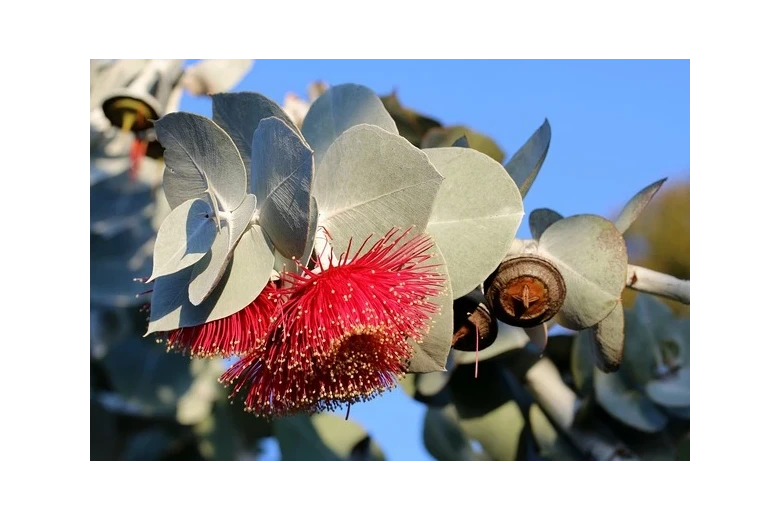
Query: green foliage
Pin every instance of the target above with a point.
(239, 195)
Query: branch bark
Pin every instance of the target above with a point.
(652, 282)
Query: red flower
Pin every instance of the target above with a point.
(234, 335)
(342, 335)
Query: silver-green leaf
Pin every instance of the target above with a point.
(371, 181)
(338, 109)
(647, 322)
(185, 237)
(475, 216)
(201, 162)
(247, 273)
(281, 175)
(444, 439)
(525, 164)
(431, 354)
(634, 207)
(609, 338)
(627, 405)
(540, 219)
(209, 270)
(239, 114)
(591, 255)
(673, 390)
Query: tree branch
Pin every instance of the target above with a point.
(660, 284)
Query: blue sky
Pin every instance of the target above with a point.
(617, 126)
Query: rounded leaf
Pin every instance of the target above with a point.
(370, 182)
(281, 176)
(475, 216)
(673, 390)
(608, 339)
(239, 113)
(247, 273)
(185, 237)
(628, 406)
(201, 162)
(591, 255)
(338, 109)
(647, 322)
(146, 377)
(117, 264)
(540, 219)
(431, 354)
(444, 439)
(207, 272)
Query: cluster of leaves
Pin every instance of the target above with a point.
(147, 403)
(558, 406)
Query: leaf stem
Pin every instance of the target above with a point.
(652, 282)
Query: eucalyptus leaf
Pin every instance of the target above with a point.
(525, 164)
(247, 273)
(646, 322)
(281, 175)
(201, 161)
(627, 405)
(444, 439)
(117, 204)
(338, 109)
(609, 338)
(590, 254)
(475, 216)
(636, 205)
(299, 440)
(210, 269)
(541, 219)
(673, 390)
(371, 181)
(239, 113)
(431, 354)
(344, 437)
(185, 236)
(497, 431)
(431, 383)
(116, 265)
(146, 376)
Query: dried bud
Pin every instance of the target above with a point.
(472, 317)
(525, 291)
